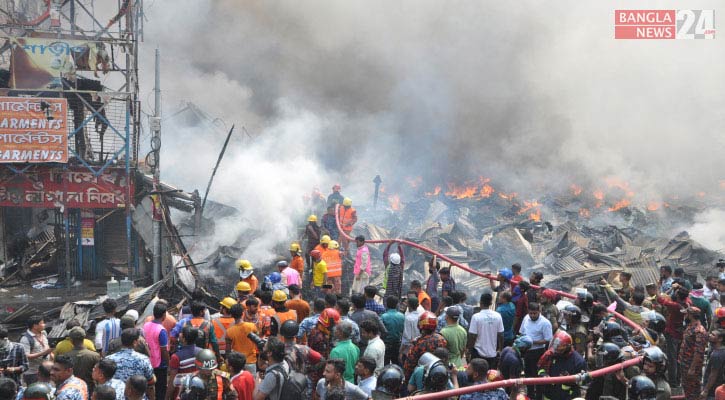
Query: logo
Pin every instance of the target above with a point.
(664, 24)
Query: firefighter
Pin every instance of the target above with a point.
(559, 360)
(575, 328)
(216, 382)
(246, 274)
(348, 218)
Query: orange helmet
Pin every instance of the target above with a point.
(720, 316)
(328, 315)
(494, 375)
(427, 320)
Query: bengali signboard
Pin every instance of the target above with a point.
(33, 130)
(56, 187)
(42, 64)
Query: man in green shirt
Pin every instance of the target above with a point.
(698, 300)
(393, 321)
(345, 349)
(455, 335)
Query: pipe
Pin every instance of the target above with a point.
(578, 379)
(624, 319)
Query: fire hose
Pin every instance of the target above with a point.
(579, 378)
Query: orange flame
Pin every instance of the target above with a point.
(620, 205)
(435, 191)
(505, 196)
(653, 206)
(599, 195)
(536, 215)
(460, 192)
(575, 189)
(394, 201)
(531, 205)
(584, 212)
(487, 190)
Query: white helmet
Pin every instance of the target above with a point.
(395, 258)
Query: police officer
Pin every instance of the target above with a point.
(575, 328)
(216, 382)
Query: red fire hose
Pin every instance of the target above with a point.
(579, 378)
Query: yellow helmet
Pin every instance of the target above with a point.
(295, 247)
(279, 295)
(325, 239)
(243, 287)
(312, 218)
(228, 302)
(243, 264)
(347, 202)
(334, 245)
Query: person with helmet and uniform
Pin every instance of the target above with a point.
(335, 197)
(193, 388)
(654, 366)
(244, 290)
(654, 324)
(641, 388)
(333, 258)
(390, 383)
(319, 272)
(547, 300)
(41, 391)
(503, 280)
(718, 319)
(432, 374)
(313, 232)
(692, 353)
(246, 274)
(393, 279)
(585, 301)
(273, 282)
(297, 263)
(217, 384)
(428, 341)
(614, 384)
(222, 322)
(282, 313)
(348, 218)
(559, 360)
(575, 328)
(511, 362)
(479, 373)
(321, 337)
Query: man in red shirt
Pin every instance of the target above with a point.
(674, 327)
(242, 380)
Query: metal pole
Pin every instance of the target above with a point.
(156, 148)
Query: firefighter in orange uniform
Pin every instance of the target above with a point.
(297, 263)
(223, 322)
(348, 217)
(333, 258)
(282, 313)
(246, 274)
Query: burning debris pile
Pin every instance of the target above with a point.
(572, 238)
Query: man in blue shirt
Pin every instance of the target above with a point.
(394, 321)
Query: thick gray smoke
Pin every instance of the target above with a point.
(534, 95)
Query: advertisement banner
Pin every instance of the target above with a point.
(55, 187)
(39, 64)
(33, 130)
(88, 224)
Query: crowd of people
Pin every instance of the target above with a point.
(297, 333)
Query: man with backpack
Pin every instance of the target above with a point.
(206, 335)
(35, 343)
(280, 381)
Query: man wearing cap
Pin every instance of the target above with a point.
(692, 353)
(243, 291)
(222, 322)
(83, 359)
(455, 336)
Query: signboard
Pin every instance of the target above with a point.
(41, 64)
(88, 223)
(33, 130)
(55, 187)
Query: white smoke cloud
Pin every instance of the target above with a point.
(709, 229)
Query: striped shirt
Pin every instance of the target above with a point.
(107, 330)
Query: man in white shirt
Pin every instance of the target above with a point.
(375, 349)
(410, 325)
(109, 328)
(485, 332)
(710, 291)
(538, 328)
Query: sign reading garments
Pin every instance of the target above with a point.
(33, 130)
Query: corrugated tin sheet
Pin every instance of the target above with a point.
(568, 263)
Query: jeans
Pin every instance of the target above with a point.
(674, 374)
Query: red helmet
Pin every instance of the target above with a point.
(720, 316)
(494, 375)
(549, 294)
(427, 320)
(315, 254)
(521, 396)
(561, 343)
(327, 315)
(336, 187)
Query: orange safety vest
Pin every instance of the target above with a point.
(252, 281)
(221, 325)
(286, 316)
(298, 264)
(334, 263)
(348, 217)
(422, 296)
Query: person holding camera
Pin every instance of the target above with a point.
(269, 387)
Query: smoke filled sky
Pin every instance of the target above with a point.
(535, 95)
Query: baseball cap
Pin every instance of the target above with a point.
(453, 312)
(77, 333)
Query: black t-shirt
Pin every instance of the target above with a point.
(717, 363)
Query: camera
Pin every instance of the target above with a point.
(257, 341)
